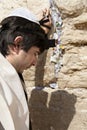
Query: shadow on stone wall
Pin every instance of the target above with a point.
(53, 114)
(39, 71)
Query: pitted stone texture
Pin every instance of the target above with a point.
(71, 8)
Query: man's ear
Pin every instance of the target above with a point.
(18, 40)
(17, 43)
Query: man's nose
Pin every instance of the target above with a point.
(35, 62)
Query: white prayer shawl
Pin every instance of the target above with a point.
(14, 114)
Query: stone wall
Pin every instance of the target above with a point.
(63, 108)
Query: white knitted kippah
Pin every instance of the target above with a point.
(24, 13)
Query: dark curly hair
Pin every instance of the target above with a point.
(32, 33)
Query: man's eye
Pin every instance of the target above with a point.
(36, 54)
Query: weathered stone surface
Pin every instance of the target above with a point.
(64, 109)
(71, 9)
(74, 40)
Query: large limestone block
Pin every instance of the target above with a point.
(74, 71)
(72, 8)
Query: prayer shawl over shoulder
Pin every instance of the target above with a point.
(14, 114)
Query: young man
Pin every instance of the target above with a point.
(21, 41)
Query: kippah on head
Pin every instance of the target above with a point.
(24, 13)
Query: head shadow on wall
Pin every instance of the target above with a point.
(55, 113)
